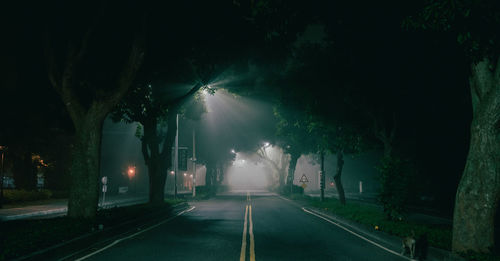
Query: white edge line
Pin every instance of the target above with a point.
(356, 234)
(133, 235)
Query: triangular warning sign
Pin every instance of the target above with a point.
(303, 179)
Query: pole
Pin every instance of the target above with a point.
(194, 163)
(322, 176)
(176, 154)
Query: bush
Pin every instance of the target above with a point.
(395, 189)
(14, 196)
(285, 190)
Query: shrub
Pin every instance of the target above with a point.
(14, 196)
(395, 183)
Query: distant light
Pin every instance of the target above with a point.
(131, 172)
(185, 174)
(266, 144)
(191, 175)
(172, 172)
(233, 151)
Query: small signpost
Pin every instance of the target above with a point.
(304, 180)
(104, 181)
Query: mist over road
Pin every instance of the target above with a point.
(241, 225)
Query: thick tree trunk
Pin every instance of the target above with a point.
(84, 187)
(157, 180)
(338, 176)
(478, 193)
(154, 160)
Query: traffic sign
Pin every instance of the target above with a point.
(303, 179)
(104, 180)
(104, 188)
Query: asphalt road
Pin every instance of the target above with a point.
(253, 226)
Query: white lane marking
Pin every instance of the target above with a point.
(244, 240)
(252, 243)
(133, 235)
(356, 234)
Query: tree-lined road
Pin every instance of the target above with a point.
(244, 227)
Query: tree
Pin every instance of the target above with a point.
(277, 159)
(85, 71)
(474, 24)
(157, 114)
(293, 136)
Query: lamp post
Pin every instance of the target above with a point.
(2, 150)
(176, 154)
(194, 163)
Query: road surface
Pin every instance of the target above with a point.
(242, 226)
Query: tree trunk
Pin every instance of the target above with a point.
(338, 175)
(209, 176)
(157, 180)
(281, 171)
(294, 157)
(478, 193)
(291, 169)
(154, 161)
(84, 187)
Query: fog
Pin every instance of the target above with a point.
(246, 173)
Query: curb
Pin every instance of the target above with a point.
(123, 203)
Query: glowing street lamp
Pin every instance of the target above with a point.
(233, 151)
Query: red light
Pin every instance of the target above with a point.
(131, 172)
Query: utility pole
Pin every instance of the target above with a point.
(176, 154)
(194, 162)
(322, 176)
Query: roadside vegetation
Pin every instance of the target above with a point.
(374, 218)
(23, 237)
(14, 196)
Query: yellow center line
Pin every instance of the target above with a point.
(252, 244)
(244, 240)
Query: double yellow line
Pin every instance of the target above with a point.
(248, 217)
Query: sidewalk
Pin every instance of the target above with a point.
(59, 207)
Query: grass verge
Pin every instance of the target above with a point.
(372, 217)
(22, 237)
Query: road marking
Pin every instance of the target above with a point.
(135, 234)
(252, 244)
(356, 234)
(244, 240)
